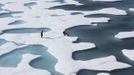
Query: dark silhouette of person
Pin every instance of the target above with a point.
(65, 33)
(42, 34)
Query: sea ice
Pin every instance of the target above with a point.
(103, 74)
(7, 47)
(131, 9)
(122, 35)
(128, 53)
(23, 67)
(58, 45)
(110, 10)
(107, 0)
(62, 48)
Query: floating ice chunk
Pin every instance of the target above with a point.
(72, 2)
(103, 74)
(104, 64)
(101, 64)
(131, 9)
(122, 35)
(107, 0)
(128, 53)
(23, 67)
(113, 11)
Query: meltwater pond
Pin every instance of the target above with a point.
(46, 61)
(2, 41)
(17, 22)
(102, 35)
(25, 30)
(30, 4)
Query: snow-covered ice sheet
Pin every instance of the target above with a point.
(7, 47)
(64, 53)
(58, 45)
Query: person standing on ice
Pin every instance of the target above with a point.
(41, 34)
(65, 33)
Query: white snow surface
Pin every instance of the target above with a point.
(122, 35)
(131, 9)
(7, 47)
(58, 45)
(103, 74)
(111, 10)
(64, 53)
(128, 53)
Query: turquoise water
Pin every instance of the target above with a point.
(25, 30)
(46, 61)
(29, 5)
(2, 41)
(17, 22)
(4, 15)
(102, 35)
(1, 5)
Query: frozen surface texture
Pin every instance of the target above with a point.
(23, 20)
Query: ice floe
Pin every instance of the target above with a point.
(72, 2)
(131, 9)
(24, 68)
(104, 64)
(122, 35)
(111, 10)
(107, 0)
(103, 74)
(128, 53)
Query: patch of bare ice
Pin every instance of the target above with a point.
(122, 35)
(128, 53)
(23, 67)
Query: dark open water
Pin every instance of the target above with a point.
(103, 34)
